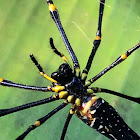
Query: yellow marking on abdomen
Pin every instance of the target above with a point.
(106, 129)
(89, 104)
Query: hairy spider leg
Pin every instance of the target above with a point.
(98, 90)
(55, 16)
(115, 63)
(71, 112)
(40, 121)
(41, 69)
(96, 42)
(59, 53)
(4, 112)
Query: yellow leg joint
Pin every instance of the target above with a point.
(64, 58)
(37, 123)
(91, 80)
(70, 98)
(49, 87)
(54, 96)
(84, 76)
(66, 101)
(1, 80)
(51, 7)
(99, 90)
(63, 94)
(88, 83)
(123, 56)
(58, 88)
(78, 102)
(77, 70)
(97, 38)
(48, 77)
(42, 73)
(71, 111)
(90, 91)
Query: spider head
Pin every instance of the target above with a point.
(63, 75)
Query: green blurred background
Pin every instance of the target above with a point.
(26, 26)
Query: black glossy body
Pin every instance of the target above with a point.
(63, 75)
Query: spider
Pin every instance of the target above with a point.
(71, 85)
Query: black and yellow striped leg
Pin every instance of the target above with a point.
(115, 63)
(4, 112)
(8, 83)
(67, 123)
(40, 121)
(41, 69)
(98, 90)
(56, 18)
(58, 53)
(96, 42)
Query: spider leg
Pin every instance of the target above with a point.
(4, 112)
(56, 18)
(8, 83)
(58, 53)
(97, 90)
(40, 121)
(115, 63)
(67, 123)
(41, 69)
(96, 42)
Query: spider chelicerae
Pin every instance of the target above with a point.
(70, 84)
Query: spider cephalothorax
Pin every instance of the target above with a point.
(63, 75)
(73, 84)
(76, 87)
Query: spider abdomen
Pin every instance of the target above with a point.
(102, 117)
